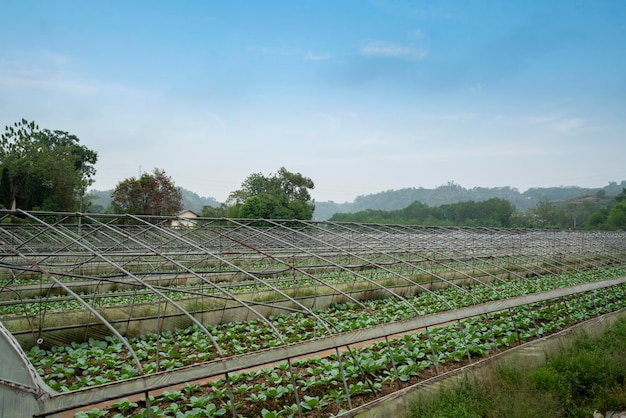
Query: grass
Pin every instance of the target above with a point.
(589, 375)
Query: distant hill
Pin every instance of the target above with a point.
(192, 201)
(454, 193)
(400, 199)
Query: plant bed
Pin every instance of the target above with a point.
(134, 307)
(373, 369)
(317, 385)
(243, 337)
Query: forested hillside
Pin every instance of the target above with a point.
(552, 205)
(492, 212)
(598, 211)
(454, 193)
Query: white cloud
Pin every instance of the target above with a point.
(41, 77)
(286, 50)
(392, 50)
(569, 125)
(312, 56)
(452, 116)
(340, 116)
(277, 50)
(416, 34)
(561, 124)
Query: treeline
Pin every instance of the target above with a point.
(283, 195)
(492, 212)
(100, 200)
(591, 212)
(50, 171)
(42, 169)
(598, 212)
(454, 193)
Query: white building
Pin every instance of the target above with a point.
(185, 218)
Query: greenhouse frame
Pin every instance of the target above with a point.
(123, 315)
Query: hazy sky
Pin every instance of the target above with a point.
(361, 96)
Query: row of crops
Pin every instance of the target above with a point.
(276, 318)
(372, 369)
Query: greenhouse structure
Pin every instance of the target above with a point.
(118, 315)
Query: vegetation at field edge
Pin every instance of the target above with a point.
(589, 375)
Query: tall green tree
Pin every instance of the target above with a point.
(45, 170)
(616, 218)
(214, 212)
(547, 214)
(284, 195)
(150, 194)
(6, 198)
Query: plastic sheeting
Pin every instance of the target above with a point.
(20, 388)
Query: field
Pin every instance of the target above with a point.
(128, 316)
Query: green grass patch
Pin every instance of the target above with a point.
(589, 375)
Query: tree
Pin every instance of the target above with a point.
(284, 195)
(265, 206)
(150, 194)
(496, 212)
(547, 214)
(214, 212)
(6, 198)
(43, 169)
(616, 218)
(493, 212)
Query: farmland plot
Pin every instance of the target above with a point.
(276, 318)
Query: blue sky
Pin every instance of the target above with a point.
(361, 96)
